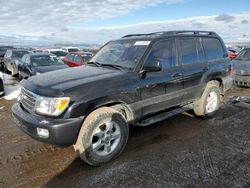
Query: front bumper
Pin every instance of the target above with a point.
(62, 132)
(241, 80)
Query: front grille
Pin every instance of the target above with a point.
(27, 100)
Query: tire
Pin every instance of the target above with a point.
(209, 102)
(106, 130)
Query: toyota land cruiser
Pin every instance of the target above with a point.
(136, 80)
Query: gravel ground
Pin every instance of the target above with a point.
(182, 151)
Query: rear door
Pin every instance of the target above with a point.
(161, 90)
(194, 66)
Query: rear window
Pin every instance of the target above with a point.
(213, 48)
(45, 61)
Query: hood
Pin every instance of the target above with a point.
(70, 80)
(43, 69)
(241, 67)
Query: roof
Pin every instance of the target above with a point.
(171, 33)
(40, 54)
(81, 53)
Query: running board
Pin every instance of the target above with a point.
(164, 115)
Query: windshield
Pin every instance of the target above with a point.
(45, 60)
(244, 55)
(59, 53)
(125, 53)
(19, 54)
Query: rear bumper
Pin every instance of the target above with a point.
(242, 80)
(62, 132)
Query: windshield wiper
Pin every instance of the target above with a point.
(119, 67)
(94, 63)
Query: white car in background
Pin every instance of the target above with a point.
(58, 52)
(71, 49)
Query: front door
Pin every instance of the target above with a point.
(160, 90)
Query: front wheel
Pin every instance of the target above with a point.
(103, 136)
(209, 102)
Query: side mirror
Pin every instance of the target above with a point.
(154, 67)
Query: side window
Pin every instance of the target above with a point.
(213, 48)
(162, 51)
(200, 50)
(188, 51)
(70, 57)
(77, 59)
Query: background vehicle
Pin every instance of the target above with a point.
(33, 64)
(58, 52)
(138, 79)
(77, 58)
(241, 67)
(71, 49)
(12, 58)
(3, 50)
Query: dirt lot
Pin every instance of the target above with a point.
(182, 151)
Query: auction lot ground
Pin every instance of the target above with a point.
(182, 151)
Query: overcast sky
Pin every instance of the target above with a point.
(88, 21)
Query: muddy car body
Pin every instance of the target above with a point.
(1, 85)
(138, 79)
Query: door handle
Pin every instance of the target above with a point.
(176, 75)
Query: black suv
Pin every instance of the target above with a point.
(136, 80)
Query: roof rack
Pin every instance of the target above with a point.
(185, 32)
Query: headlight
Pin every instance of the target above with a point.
(38, 73)
(51, 106)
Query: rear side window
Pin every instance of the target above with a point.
(213, 48)
(164, 52)
(188, 51)
(70, 57)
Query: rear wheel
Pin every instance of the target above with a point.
(103, 136)
(209, 102)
